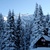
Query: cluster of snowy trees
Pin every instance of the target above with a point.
(15, 36)
(41, 22)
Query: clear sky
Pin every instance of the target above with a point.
(23, 6)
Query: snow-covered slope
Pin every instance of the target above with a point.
(42, 48)
(25, 17)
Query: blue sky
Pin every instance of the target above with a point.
(23, 6)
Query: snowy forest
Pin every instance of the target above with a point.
(21, 32)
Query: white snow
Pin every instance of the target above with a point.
(42, 48)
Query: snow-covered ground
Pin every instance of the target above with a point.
(42, 48)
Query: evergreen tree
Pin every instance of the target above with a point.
(9, 35)
(38, 23)
(49, 26)
(40, 19)
(36, 20)
(28, 33)
(47, 18)
(40, 13)
(46, 28)
(19, 34)
(36, 12)
(12, 23)
(27, 36)
(1, 30)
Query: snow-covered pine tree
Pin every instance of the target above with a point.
(36, 20)
(40, 14)
(28, 32)
(36, 11)
(47, 18)
(19, 35)
(1, 30)
(46, 25)
(49, 26)
(27, 36)
(8, 40)
(37, 24)
(12, 23)
(40, 20)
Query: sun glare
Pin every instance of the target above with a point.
(5, 18)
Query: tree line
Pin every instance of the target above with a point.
(15, 36)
